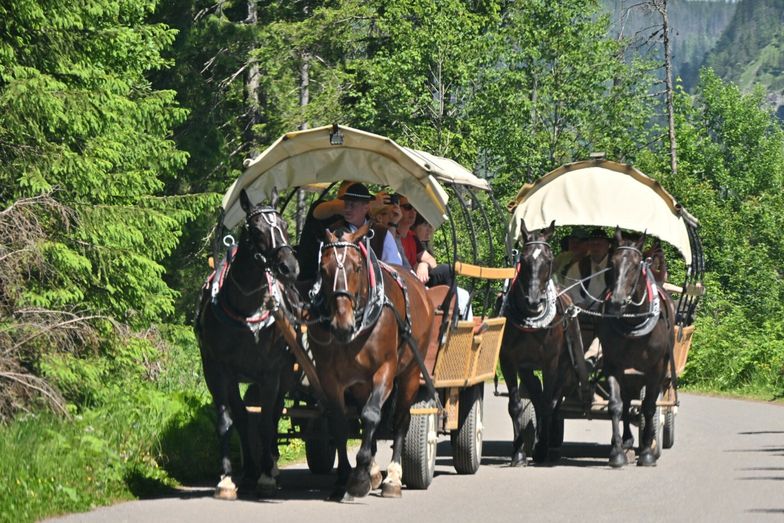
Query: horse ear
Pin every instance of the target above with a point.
(549, 231)
(331, 238)
(641, 241)
(618, 235)
(245, 201)
(274, 198)
(361, 232)
(524, 230)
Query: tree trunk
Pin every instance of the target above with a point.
(252, 81)
(304, 100)
(661, 5)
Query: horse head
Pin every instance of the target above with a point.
(627, 264)
(536, 265)
(266, 236)
(344, 281)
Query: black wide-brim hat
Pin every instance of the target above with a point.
(357, 192)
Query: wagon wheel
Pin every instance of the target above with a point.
(658, 422)
(320, 451)
(668, 436)
(529, 427)
(419, 447)
(467, 439)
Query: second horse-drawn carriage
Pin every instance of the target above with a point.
(634, 312)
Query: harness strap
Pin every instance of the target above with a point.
(404, 326)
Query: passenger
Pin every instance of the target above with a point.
(573, 249)
(424, 233)
(434, 273)
(589, 294)
(591, 269)
(423, 263)
(356, 204)
(385, 215)
(658, 262)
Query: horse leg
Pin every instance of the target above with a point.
(408, 386)
(359, 480)
(647, 457)
(338, 428)
(267, 483)
(628, 435)
(541, 396)
(617, 454)
(515, 408)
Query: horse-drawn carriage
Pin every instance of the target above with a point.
(446, 353)
(602, 193)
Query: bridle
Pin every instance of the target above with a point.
(272, 218)
(536, 254)
(340, 279)
(341, 252)
(629, 300)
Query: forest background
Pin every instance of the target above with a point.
(123, 122)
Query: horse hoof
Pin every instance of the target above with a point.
(266, 487)
(339, 495)
(225, 494)
(391, 490)
(554, 456)
(359, 483)
(646, 459)
(618, 460)
(375, 479)
(226, 489)
(518, 460)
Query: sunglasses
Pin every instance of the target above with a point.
(407, 206)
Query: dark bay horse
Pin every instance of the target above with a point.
(541, 333)
(636, 332)
(239, 341)
(371, 319)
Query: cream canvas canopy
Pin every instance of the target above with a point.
(605, 194)
(322, 155)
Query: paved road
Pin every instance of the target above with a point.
(727, 465)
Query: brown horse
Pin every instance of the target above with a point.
(636, 332)
(371, 319)
(239, 342)
(541, 333)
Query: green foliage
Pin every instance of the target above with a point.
(730, 174)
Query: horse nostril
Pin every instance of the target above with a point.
(283, 268)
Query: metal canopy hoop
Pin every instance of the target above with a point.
(315, 156)
(606, 194)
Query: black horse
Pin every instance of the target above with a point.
(636, 332)
(541, 334)
(239, 342)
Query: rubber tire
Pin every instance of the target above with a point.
(658, 422)
(467, 439)
(668, 434)
(320, 451)
(529, 427)
(557, 433)
(419, 448)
